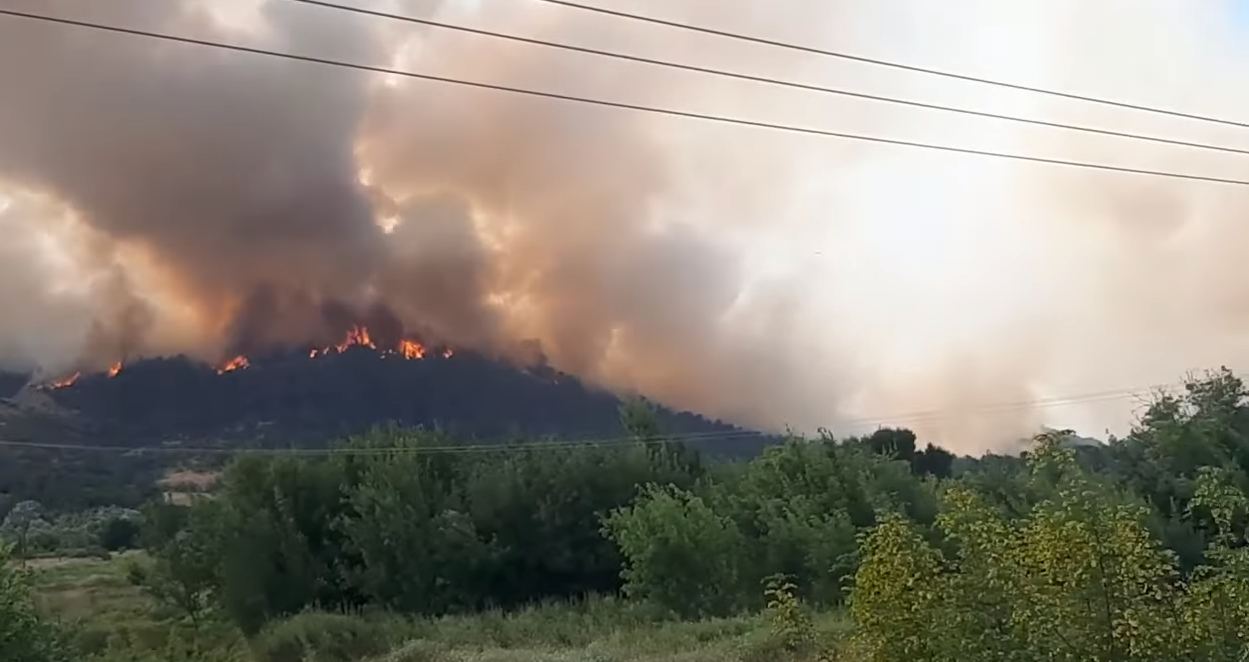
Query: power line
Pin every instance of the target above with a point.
(625, 105)
(1012, 406)
(896, 65)
(455, 449)
(773, 81)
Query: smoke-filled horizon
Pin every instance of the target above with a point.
(163, 198)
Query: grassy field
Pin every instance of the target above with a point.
(117, 621)
(89, 589)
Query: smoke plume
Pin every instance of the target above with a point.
(162, 198)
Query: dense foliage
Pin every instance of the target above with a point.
(34, 532)
(25, 634)
(1093, 559)
(410, 522)
(1132, 550)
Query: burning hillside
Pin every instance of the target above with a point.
(162, 201)
(288, 397)
(405, 348)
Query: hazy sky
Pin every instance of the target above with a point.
(774, 279)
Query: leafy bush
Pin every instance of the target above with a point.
(1079, 578)
(25, 634)
(678, 552)
(320, 637)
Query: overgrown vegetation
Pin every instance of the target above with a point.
(404, 546)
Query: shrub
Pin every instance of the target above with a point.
(679, 553)
(320, 637)
(25, 635)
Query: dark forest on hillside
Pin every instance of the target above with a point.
(288, 400)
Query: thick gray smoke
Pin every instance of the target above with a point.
(169, 198)
(252, 193)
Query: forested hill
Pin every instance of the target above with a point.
(289, 399)
(11, 382)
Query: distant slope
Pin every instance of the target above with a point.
(11, 383)
(292, 400)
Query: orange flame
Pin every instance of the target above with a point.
(115, 369)
(410, 349)
(447, 353)
(358, 335)
(67, 381)
(236, 363)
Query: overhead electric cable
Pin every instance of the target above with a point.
(896, 65)
(774, 81)
(722, 119)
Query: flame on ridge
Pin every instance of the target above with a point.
(65, 382)
(407, 348)
(410, 349)
(358, 336)
(237, 363)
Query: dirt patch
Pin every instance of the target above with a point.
(189, 481)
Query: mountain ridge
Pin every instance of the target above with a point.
(288, 399)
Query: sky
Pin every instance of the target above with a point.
(1239, 11)
(775, 280)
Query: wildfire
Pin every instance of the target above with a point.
(66, 382)
(407, 348)
(236, 363)
(358, 335)
(410, 349)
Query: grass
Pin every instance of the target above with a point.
(107, 613)
(89, 589)
(117, 621)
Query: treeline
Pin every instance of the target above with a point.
(33, 532)
(408, 521)
(1079, 577)
(67, 480)
(1135, 554)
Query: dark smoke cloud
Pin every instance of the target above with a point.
(255, 192)
(231, 172)
(166, 198)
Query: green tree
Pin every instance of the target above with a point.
(184, 570)
(118, 533)
(899, 604)
(25, 634)
(406, 520)
(1079, 578)
(679, 554)
(23, 518)
(1215, 609)
(1092, 583)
